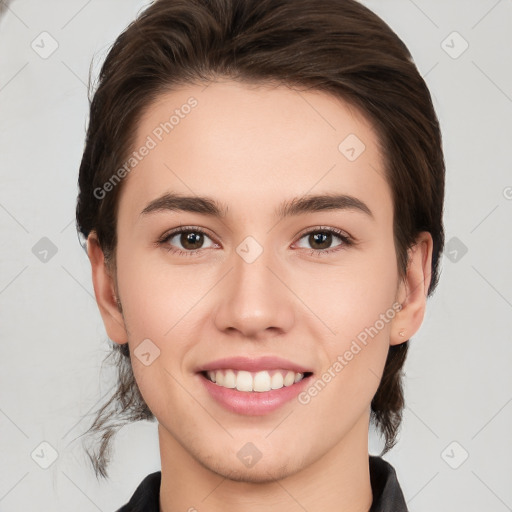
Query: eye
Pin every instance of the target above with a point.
(321, 240)
(191, 239)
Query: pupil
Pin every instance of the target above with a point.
(191, 238)
(321, 238)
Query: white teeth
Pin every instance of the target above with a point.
(262, 382)
(244, 381)
(258, 381)
(289, 379)
(277, 381)
(229, 379)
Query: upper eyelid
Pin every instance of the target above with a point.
(300, 235)
(336, 231)
(173, 232)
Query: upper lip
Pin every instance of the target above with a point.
(253, 364)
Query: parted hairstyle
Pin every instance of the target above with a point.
(339, 47)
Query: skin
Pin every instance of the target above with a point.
(251, 147)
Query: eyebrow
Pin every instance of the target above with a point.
(296, 206)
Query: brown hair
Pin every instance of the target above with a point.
(335, 46)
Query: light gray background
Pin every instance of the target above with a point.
(458, 377)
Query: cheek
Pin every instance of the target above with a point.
(353, 295)
(156, 296)
(358, 306)
(354, 358)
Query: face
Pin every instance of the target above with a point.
(317, 288)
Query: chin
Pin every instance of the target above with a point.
(261, 472)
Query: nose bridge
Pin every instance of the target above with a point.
(254, 299)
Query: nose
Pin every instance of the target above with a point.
(255, 301)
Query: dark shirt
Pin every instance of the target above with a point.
(387, 494)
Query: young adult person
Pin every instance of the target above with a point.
(261, 192)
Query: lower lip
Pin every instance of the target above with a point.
(253, 403)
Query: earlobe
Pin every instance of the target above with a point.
(413, 290)
(105, 293)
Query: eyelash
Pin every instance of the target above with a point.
(346, 239)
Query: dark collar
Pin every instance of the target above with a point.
(387, 494)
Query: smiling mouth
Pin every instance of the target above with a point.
(266, 380)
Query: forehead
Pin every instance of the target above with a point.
(252, 145)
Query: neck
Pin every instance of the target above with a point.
(338, 480)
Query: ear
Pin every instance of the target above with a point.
(105, 292)
(413, 290)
